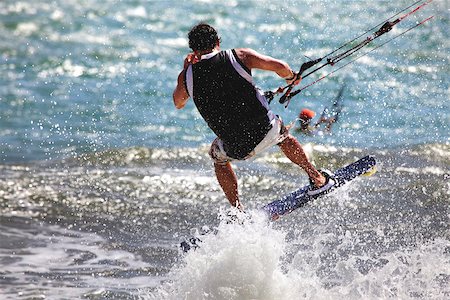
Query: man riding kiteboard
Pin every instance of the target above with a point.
(222, 88)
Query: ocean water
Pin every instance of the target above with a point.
(101, 177)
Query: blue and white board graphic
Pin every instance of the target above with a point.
(300, 197)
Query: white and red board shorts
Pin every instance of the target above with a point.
(276, 135)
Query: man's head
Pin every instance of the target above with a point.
(203, 37)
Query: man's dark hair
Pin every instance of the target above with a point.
(202, 37)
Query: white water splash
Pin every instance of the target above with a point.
(252, 261)
(239, 262)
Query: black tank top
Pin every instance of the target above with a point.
(223, 92)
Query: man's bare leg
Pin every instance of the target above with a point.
(228, 181)
(294, 151)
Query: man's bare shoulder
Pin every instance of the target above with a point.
(246, 52)
(249, 57)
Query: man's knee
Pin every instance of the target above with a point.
(217, 153)
(289, 139)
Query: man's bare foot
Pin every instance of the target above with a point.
(319, 180)
(320, 186)
(239, 205)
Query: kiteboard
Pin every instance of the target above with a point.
(301, 196)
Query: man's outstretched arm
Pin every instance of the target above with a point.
(255, 60)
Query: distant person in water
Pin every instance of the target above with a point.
(223, 90)
(326, 120)
(305, 118)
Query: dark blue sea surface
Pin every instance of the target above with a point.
(101, 177)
